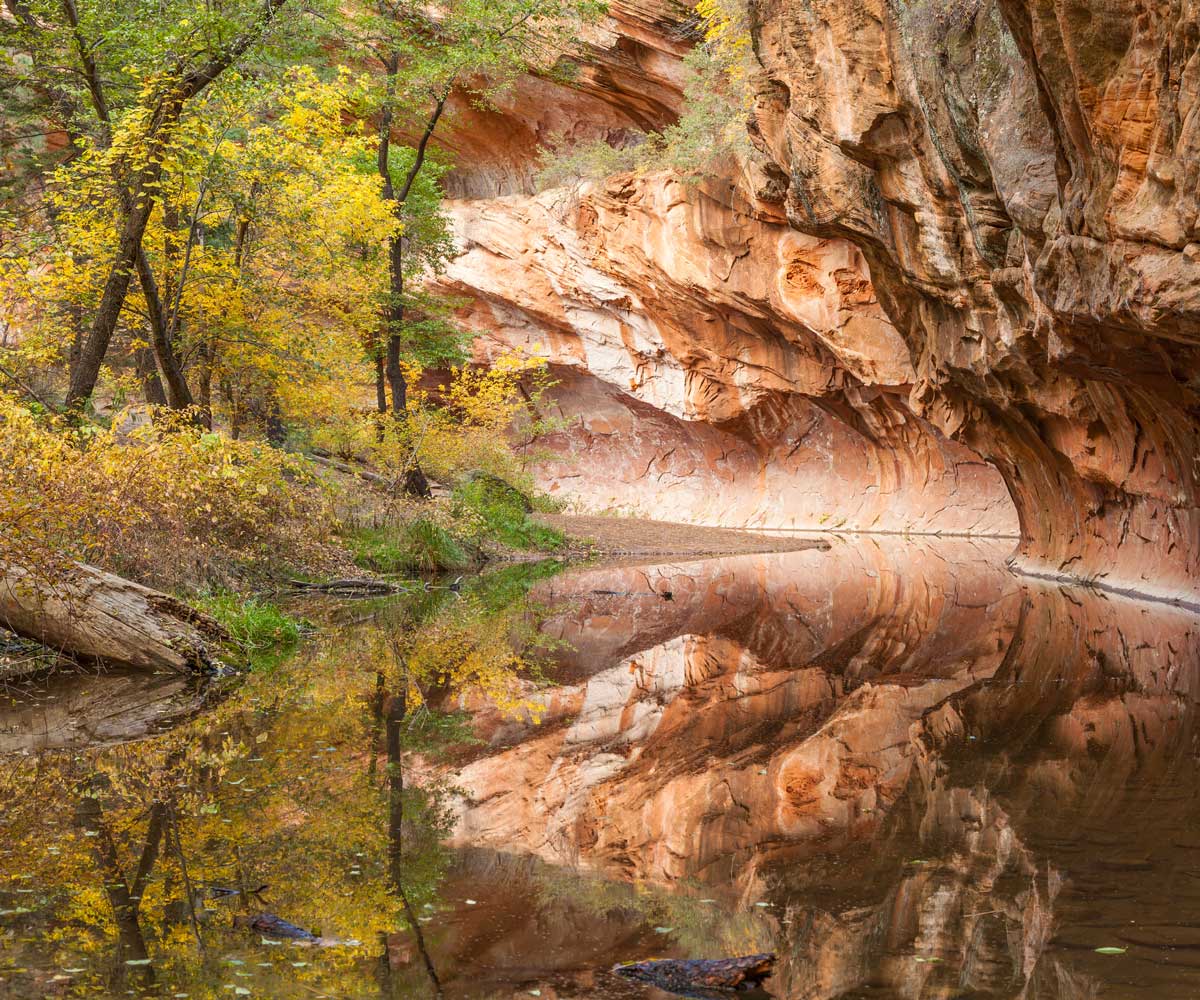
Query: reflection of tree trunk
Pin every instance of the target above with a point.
(395, 719)
(189, 891)
(376, 726)
(124, 897)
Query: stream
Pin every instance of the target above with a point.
(899, 767)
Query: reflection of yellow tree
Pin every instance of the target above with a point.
(279, 784)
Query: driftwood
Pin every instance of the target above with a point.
(98, 617)
(702, 977)
(353, 588)
(323, 458)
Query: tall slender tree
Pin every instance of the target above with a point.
(428, 57)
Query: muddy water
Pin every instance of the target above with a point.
(898, 767)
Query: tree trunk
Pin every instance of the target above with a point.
(159, 132)
(98, 617)
(179, 396)
(86, 371)
(147, 374)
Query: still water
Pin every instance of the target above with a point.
(900, 768)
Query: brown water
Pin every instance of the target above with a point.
(900, 768)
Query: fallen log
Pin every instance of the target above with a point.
(323, 458)
(102, 618)
(354, 588)
(701, 977)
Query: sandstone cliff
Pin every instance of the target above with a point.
(962, 265)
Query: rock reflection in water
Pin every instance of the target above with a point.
(901, 768)
(943, 780)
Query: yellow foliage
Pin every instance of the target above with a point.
(472, 423)
(168, 502)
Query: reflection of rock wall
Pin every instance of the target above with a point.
(928, 770)
(802, 680)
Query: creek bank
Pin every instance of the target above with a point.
(598, 534)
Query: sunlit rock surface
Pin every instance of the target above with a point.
(1022, 179)
(714, 364)
(974, 221)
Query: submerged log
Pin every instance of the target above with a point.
(99, 617)
(269, 924)
(692, 977)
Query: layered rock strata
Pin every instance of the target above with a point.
(1021, 177)
(714, 365)
(968, 238)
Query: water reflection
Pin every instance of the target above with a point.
(899, 767)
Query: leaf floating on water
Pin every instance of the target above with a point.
(1110, 950)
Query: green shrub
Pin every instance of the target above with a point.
(501, 512)
(422, 545)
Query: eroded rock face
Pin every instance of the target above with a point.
(970, 236)
(627, 80)
(716, 365)
(1021, 177)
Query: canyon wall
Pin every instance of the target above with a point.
(715, 365)
(1021, 177)
(961, 265)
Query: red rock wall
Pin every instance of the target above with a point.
(969, 235)
(717, 366)
(1021, 177)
